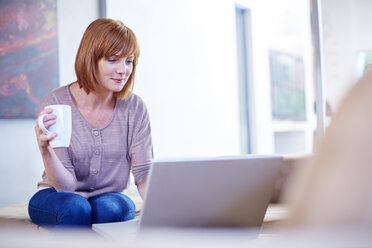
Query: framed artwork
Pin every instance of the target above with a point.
(28, 55)
(287, 86)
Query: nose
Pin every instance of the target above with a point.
(122, 67)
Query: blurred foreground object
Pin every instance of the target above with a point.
(335, 187)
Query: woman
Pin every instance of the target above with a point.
(110, 135)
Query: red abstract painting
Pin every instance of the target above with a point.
(28, 55)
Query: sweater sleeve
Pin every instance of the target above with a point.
(140, 145)
(62, 153)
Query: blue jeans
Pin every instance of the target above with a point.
(59, 209)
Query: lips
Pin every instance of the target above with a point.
(118, 80)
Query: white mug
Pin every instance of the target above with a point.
(62, 126)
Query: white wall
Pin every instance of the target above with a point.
(73, 18)
(187, 73)
(20, 161)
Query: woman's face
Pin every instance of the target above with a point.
(114, 72)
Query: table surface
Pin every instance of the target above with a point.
(19, 236)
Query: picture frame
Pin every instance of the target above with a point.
(28, 55)
(287, 78)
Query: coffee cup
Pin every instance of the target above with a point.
(62, 126)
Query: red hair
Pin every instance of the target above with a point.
(105, 38)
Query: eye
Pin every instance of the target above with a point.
(111, 60)
(129, 61)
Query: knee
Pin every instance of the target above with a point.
(125, 210)
(113, 208)
(130, 209)
(76, 211)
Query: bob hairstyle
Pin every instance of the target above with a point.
(105, 38)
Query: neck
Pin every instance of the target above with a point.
(92, 101)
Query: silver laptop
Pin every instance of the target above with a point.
(204, 192)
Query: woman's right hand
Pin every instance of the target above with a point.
(42, 138)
